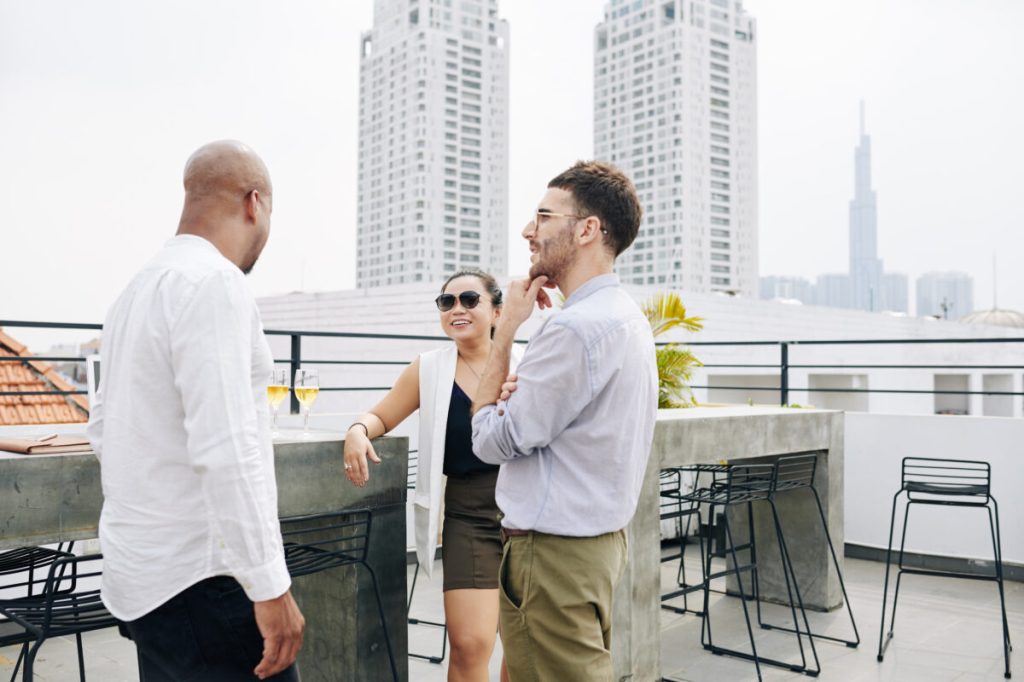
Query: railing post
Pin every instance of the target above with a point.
(296, 357)
(784, 373)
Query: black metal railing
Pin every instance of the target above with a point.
(783, 367)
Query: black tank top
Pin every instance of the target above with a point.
(459, 459)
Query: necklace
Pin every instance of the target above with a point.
(466, 362)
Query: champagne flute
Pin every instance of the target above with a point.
(277, 391)
(307, 388)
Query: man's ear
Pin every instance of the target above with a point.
(252, 204)
(590, 229)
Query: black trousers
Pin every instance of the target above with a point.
(207, 633)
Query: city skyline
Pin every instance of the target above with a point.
(865, 285)
(103, 104)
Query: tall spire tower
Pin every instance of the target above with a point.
(865, 266)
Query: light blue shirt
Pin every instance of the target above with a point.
(575, 436)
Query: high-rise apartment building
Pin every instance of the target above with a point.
(433, 141)
(895, 292)
(949, 295)
(675, 107)
(791, 288)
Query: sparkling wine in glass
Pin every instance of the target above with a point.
(307, 388)
(277, 391)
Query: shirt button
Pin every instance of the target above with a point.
(501, 413)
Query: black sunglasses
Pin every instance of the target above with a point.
(468, 299)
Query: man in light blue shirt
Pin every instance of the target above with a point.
(574, 433)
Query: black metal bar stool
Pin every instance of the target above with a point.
(672, 507)
(20, 579)
(413, 472)
(794, 473)
(950, 483)
(68, 604)
(743, 485)
(342, 539)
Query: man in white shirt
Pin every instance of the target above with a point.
(193, 557)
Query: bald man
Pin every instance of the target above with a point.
(193, 559)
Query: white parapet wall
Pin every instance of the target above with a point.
(875, 447)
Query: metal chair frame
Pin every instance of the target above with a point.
(793, 473)
(62, 608)
(413, 472)
(671, 507)
(950, 483)
(346, 543)
(745, 484)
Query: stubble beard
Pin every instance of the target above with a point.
(554, 257)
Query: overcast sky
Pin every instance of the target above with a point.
(101, 102)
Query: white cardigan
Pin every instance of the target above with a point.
(437, 374)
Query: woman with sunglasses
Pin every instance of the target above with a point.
(441, 384)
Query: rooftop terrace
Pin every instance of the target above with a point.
(947, 631)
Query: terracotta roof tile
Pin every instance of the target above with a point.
(35, 376)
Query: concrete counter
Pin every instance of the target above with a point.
(706, 435)
(52, 498)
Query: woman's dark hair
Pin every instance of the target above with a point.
(490, 284)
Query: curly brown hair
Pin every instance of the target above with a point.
(600, 189)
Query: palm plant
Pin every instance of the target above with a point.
(676, 363)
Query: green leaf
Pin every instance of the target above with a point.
(665, 311)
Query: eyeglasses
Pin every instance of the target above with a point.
(540, 217)
(468, 299)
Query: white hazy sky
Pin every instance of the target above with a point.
(101, 102)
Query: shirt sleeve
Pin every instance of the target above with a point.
(94, 429)
(553, 388)
(211, 350)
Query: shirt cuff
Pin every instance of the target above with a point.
(269, 581)
(481, 415)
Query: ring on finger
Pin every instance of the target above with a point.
(348, 466)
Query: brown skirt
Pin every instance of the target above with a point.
(471, 538)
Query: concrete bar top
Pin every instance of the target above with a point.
(53, 498)
(707, 435)
(46, 499)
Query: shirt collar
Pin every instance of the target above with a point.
(191, 240)
(591, 286)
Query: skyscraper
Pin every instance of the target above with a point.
(865, 266)
(949, 295)
(675, 107)
(433, 141)
(792, 288)
(895, 292)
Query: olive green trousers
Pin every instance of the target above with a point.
(556, 606)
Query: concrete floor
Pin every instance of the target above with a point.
(947, 630)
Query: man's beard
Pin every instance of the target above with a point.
(554, 257)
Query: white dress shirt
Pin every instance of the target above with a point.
(575, 437)
(181, 428)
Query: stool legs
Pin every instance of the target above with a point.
(842, 585)
(383, 621)
(795, 599)
(790, 576)
(997, 548)
(420, 621)
(993, 519)
(884, 643)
